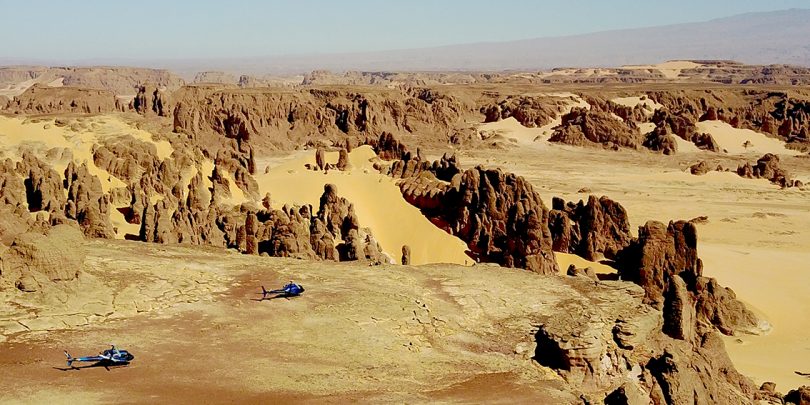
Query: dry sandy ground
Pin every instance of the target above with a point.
(360, 333)
(756, 240)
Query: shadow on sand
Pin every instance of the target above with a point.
(277, 296)
(106, 364)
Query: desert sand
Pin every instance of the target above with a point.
(733, 139)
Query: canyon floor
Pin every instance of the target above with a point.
(420, 333)
(370, 333)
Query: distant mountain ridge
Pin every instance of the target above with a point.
(778, 37)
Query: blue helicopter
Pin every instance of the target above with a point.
(288, 291)
(107, 358)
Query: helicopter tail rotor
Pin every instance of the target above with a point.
(70, 359)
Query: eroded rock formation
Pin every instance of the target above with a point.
(584, 127)
(768, 167)
(663, 260)
(598, 228)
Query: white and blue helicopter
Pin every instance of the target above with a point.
(290, 290)
(111, 357)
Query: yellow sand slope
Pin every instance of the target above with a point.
(732, 139)
(377, 201)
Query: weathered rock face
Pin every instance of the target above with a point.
(598, 228)
(40, 99)
(584, 127)
(800, 396)
(700, 168)
(680, 124)
(663, 260)
(659, 253)
(86, 202)
(406, 255)
(285, 119)
(678, 381)
(530, 111)
(151, 99)
(660, 140)
(340, 221)
(628, 359)
(388, 147)
(43, 186)
(499, 215)
(34, 261)
(126, 158)
(767, 167)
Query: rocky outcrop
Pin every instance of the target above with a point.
(780, 114)
(663, 260)
(121, 81)
(406, 255)
(700, 168)
(767, 167)
(529, 111)
(799, 396)
(126, 158)
(627, 358)
(596, 229)
(340, 220)
(214, 77)
(285, 119)
(388, 147)
(659, 140)
(575, 271)
(499, 215)
(41, 99)
(151, 99)
(584, 127)
(43, 185)
(86, 202)
(34, 261)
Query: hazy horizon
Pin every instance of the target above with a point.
(153, 31)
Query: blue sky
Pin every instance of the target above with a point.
(149, 29)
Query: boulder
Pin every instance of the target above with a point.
(799, 396)
(700, 168)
